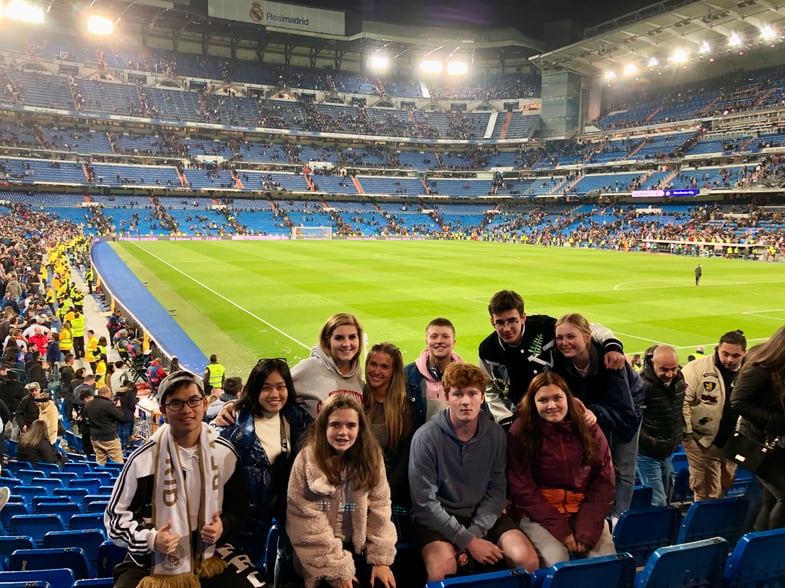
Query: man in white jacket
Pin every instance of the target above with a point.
(708, 418)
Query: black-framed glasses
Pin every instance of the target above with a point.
(177, 405)
(510, 322)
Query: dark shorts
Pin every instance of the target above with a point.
(423, 536)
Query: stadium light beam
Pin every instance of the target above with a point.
(768, 33)
(99, 25)
(680, 56)
(457, 68)
(609, 75)
(431, 66)
(24, 11)
(654, 62)
(630, 69)
(735, 41)
(705, 48)
(379, 62)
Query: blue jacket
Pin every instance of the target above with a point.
(267, 482)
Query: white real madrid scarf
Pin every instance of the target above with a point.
(184, 567)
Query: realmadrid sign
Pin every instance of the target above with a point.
(258, 14)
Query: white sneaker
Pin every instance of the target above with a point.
(5, 494)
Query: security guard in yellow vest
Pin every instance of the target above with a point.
(213, 375)
(77, 330)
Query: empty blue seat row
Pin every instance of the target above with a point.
(756, 561)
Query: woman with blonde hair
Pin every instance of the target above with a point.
(339, 510)
(333, 366)
(390, 415)
(613, 398)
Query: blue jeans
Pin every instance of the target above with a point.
(657, 473)
(124, 430)
(623, 455)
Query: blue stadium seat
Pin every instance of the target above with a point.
(96, 506)
(47, 468)
(689, 565)
(720, 517)
(65, 509)
(757, 561)
(35, 525)
(10, 543)
(49, 483)
(65, 476)
(11, 509)
(88, 539)
(27, 475)
(49, 500)
(93, 583)
(640, 532)
(641, 497)
(517, 578)
(91, 484)
(30, 492)
(72, 558)
(56, 577)
(79, 467)
(87, 521)
(76, 495)
(90, 498)
(107, 478)
(109, 555)
(607, 571)
(31, 584)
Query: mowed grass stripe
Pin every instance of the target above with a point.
(395, 288)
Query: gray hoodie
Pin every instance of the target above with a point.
(451, 478)
(316, 378)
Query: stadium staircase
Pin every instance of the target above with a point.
(237, 181)
(358, 186)
(652, 114)
(507, 120)
(309, 181)
(763, 98)
(183, 179)
(709, 106)
(640, 146)
(672, 176)
(86, 173)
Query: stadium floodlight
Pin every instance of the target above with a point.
(610, 75)
(457, 68)
(379, 62)
(705, 48)
(99, 25)
(735, 41)
(680, 56)
(768, 33)
(630, 69)
(431, 66)
(653, 62)
(24, 11)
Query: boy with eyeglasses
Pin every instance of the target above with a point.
(521, 347)
(179, 500)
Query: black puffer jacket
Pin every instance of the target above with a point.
(663, 420)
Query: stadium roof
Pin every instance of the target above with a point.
(655, 31)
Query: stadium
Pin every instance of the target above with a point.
(240, 171)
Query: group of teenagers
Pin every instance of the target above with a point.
(518, 461)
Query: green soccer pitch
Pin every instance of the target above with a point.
(249, 299)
